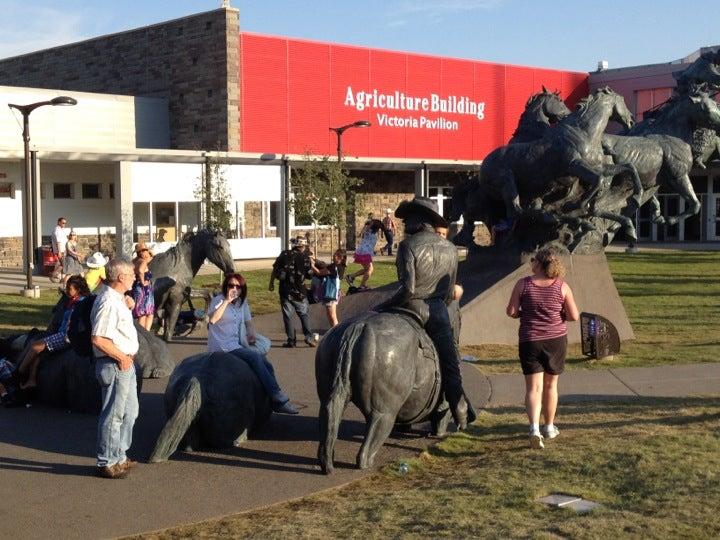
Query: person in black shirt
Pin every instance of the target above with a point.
(291, 268)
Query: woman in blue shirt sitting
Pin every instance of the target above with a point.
(228, 311)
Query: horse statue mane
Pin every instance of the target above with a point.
(585, 102)
(542, 111)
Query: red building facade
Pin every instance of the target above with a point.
(420, 106)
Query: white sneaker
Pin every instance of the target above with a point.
(536, 440)
(549, 432)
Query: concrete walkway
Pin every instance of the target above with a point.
(46, 455)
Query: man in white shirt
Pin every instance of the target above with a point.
(115, 343)
(59, 240)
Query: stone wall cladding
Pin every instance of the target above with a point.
(193, 61)
(11, 252)
(382, 190)
(11, 248)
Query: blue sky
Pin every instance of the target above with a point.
(552, 33)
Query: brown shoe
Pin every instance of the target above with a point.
(127, 464)
(112, 472)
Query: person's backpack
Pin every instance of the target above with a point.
(80, 328)
(330, 292)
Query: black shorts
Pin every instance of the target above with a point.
(545, 355)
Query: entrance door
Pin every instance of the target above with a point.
(443, 196)
(714, 217)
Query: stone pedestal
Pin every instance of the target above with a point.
(486, 297)
(488, 280)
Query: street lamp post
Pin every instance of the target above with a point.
(339, 132)
(28, 225)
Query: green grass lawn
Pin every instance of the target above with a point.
(653, 465)
(673, 301)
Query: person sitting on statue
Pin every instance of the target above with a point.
(76, 290)
(227, 312)
(427, 268)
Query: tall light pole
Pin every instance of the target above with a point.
(339, 132)
(28, 225)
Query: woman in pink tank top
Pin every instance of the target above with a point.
(543, 302)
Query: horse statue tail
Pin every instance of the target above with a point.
(176, 427)
(331, 412)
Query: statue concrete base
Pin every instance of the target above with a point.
(488, 280)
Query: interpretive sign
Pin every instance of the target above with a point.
(599, 336)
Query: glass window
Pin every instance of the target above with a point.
(62, 191)
(7, 189)
(91, 191)
(274, 213)
(112, 191)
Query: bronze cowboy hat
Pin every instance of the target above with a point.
(422, 206)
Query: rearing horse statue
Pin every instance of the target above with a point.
(573, 149)
(661, 149)
(174, 270)
(542, 111)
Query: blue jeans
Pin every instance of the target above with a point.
(261, 367)
(119, 411)
(390, 237)
(301, 308)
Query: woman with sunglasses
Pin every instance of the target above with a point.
(542, 302)
(227, 311)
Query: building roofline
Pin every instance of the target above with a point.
(411, 53)
(246, 158)
(687, 59)
(119, 33)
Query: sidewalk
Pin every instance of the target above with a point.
(620, 247)
(616, 383)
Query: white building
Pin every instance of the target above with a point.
(105, 165)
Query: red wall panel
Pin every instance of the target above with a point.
(264, 119)
(309, 108)
(421, 107)
(519, 85)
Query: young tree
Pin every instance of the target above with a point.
(213, 190)
(321, 189)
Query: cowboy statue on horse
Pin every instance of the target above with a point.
(396, 362)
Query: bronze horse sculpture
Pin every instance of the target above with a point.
(542, 111)
(573, 149)
(660, 149)
(211, 400)
(387, 366)
(174, 270)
